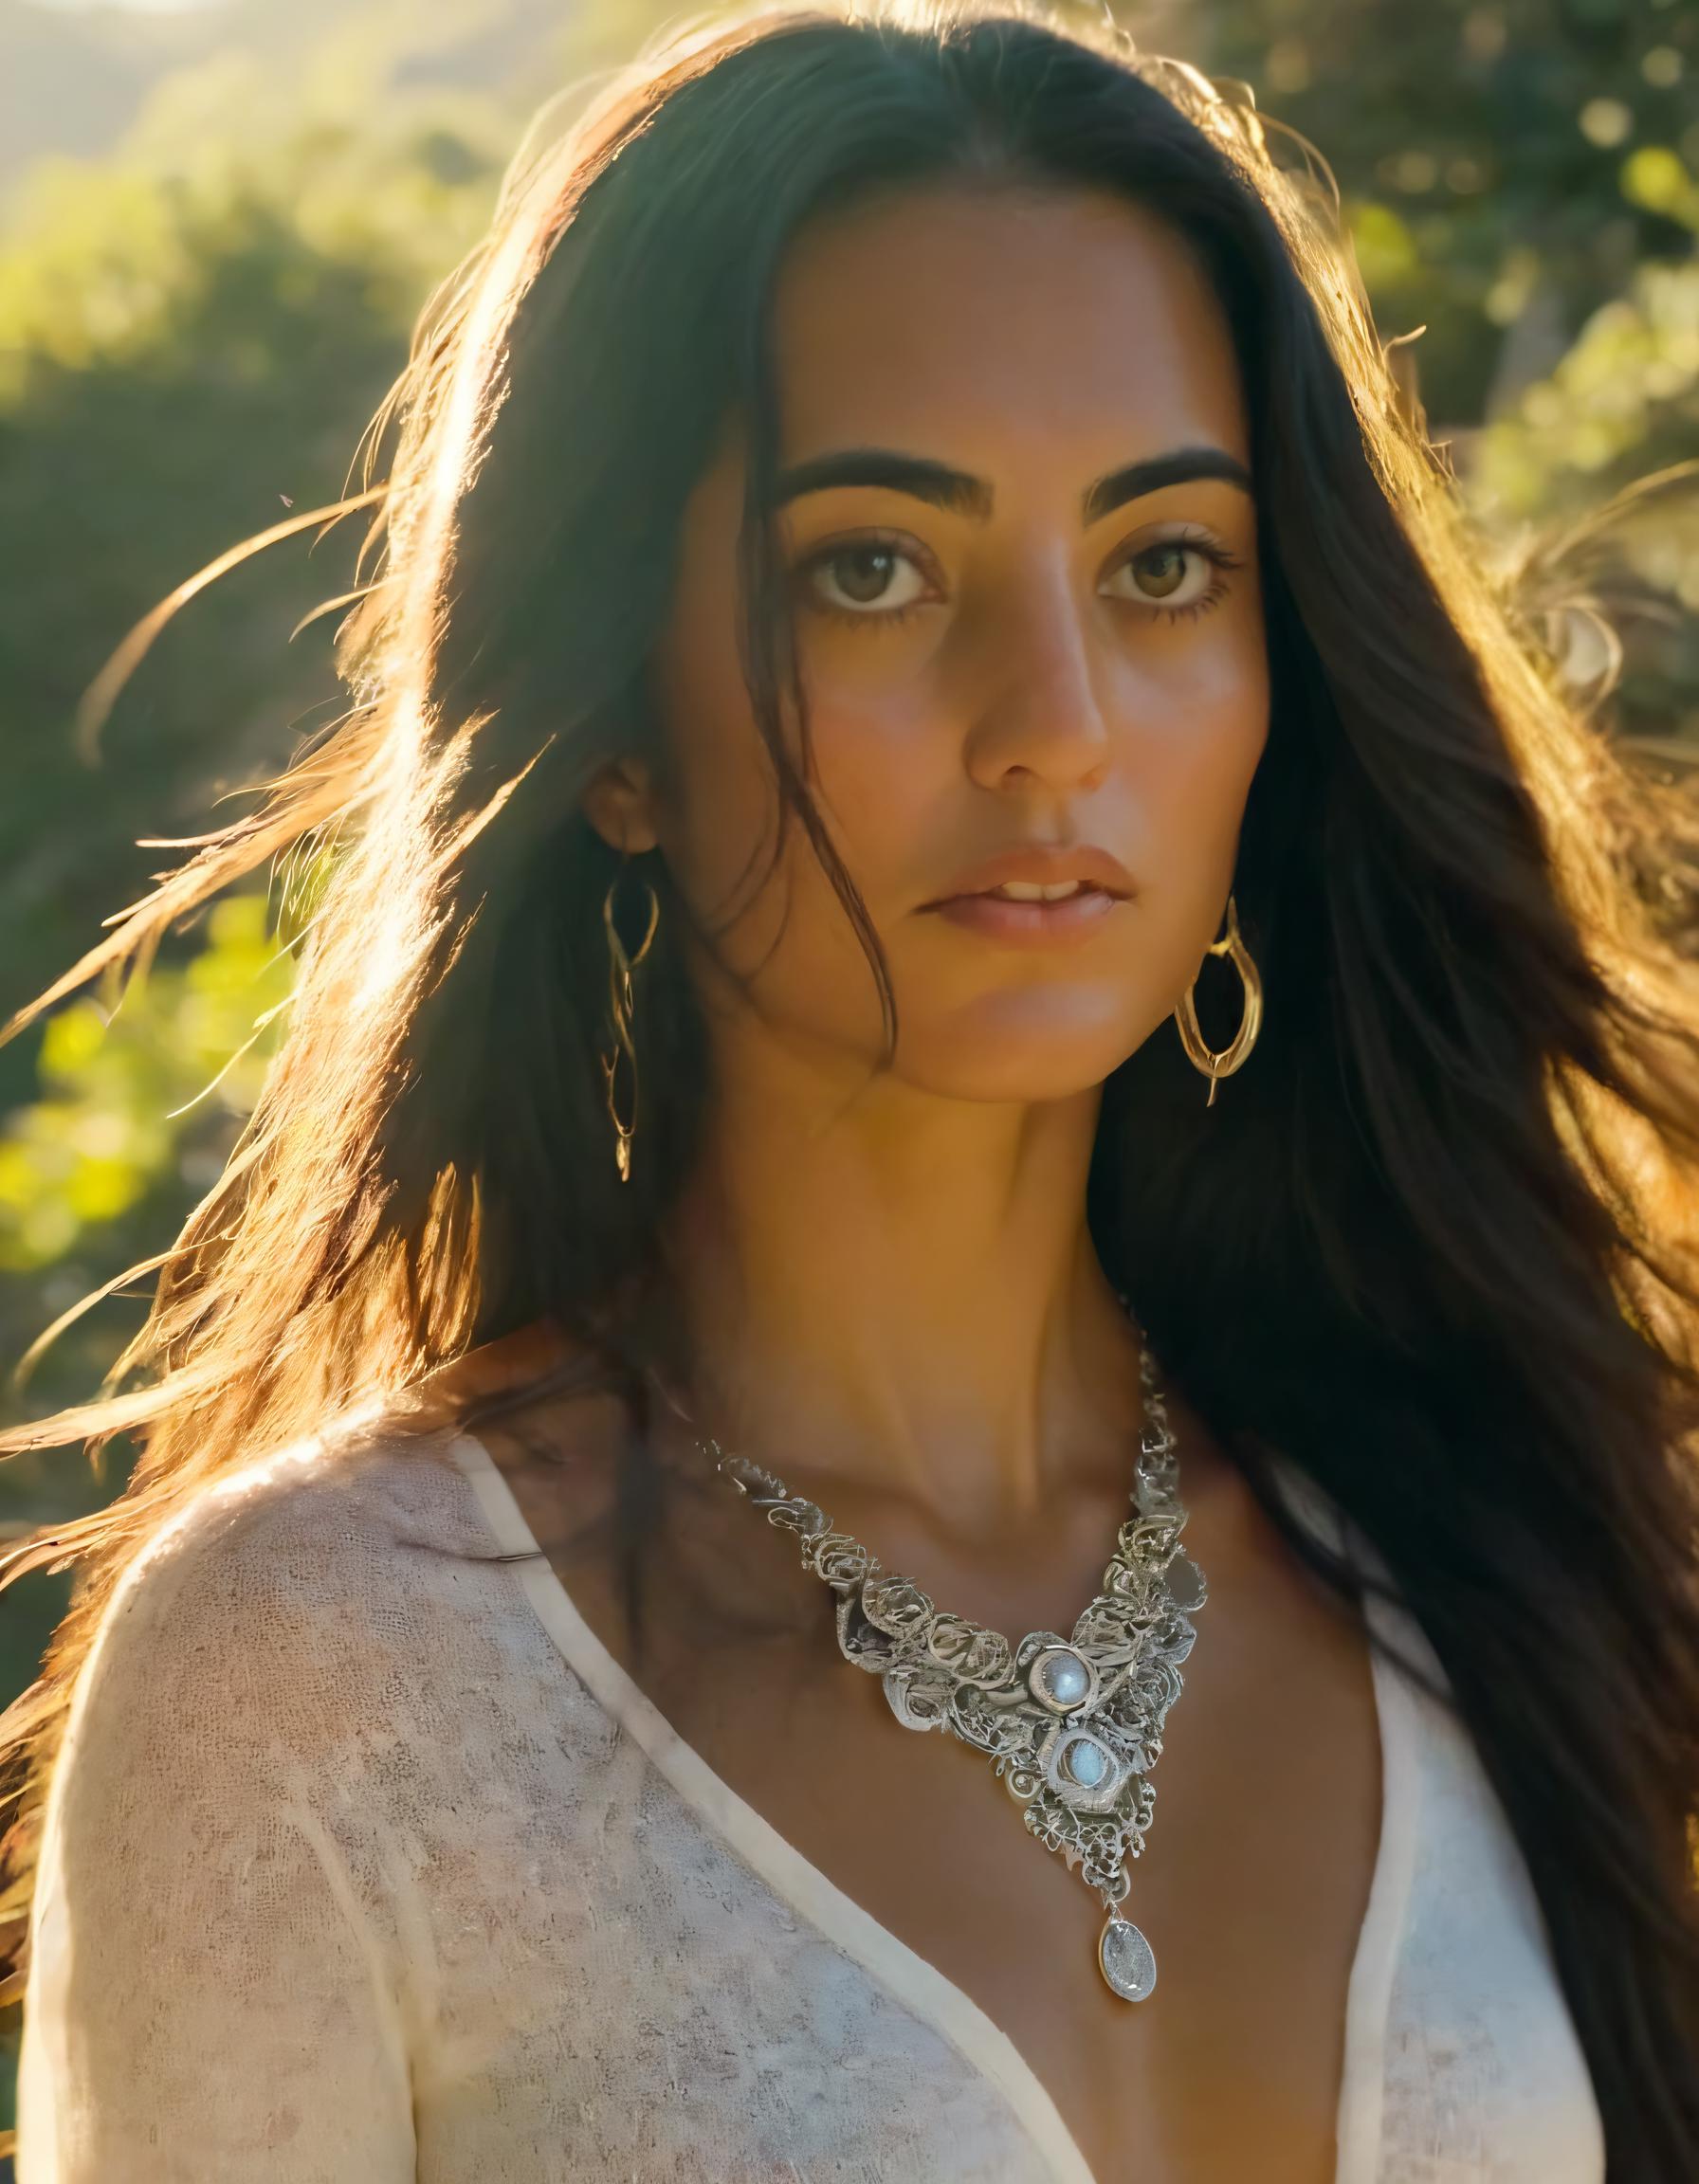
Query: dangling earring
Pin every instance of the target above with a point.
(1213, 1065)
(620, 967)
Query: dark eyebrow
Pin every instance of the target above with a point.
(934, 483)
(1179, 469)
(961, 494)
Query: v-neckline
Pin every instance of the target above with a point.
(917, 1983)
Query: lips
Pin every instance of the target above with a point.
(1076, 917)
(1038, 873)
(1031, 891)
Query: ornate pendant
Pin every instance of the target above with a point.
(1072, 1725)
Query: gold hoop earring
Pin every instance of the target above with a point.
(621, 1012)
(1210, 1064)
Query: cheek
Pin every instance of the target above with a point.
(1199, 736)
(890, 787)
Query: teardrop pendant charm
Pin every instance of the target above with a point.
(1125, 1958)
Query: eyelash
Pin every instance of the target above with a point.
(892, 617)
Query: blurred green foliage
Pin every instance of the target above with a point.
(1493, 154)
(185, 357)
(195, 331)
(133, 1095)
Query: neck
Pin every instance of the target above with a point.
(896, 1298)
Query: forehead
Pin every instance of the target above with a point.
(955, 316)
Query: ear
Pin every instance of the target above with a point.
(620, 804)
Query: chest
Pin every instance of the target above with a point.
(1251, 1890)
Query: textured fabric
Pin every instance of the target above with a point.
(365, 1862)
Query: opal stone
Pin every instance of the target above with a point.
(1063, 1679)
(1087, 1762)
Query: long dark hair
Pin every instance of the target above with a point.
(1436, 1248)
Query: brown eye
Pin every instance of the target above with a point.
(1171, 574)
(868, 576)
(864, 572)
(1161, 570)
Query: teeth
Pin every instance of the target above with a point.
(1029, 891)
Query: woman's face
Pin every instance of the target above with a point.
(1021, 557)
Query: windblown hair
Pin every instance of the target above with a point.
(1437, 1247)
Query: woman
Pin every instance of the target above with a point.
(905, 570)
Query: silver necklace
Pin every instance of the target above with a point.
(1074, 1724)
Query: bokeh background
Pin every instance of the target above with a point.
(218, 219)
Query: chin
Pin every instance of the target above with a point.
(1012, 1067)
(1017, 1083)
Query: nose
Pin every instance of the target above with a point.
(1042, 725)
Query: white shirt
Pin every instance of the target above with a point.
(367, 1862)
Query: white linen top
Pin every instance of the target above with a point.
(363, 1865)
